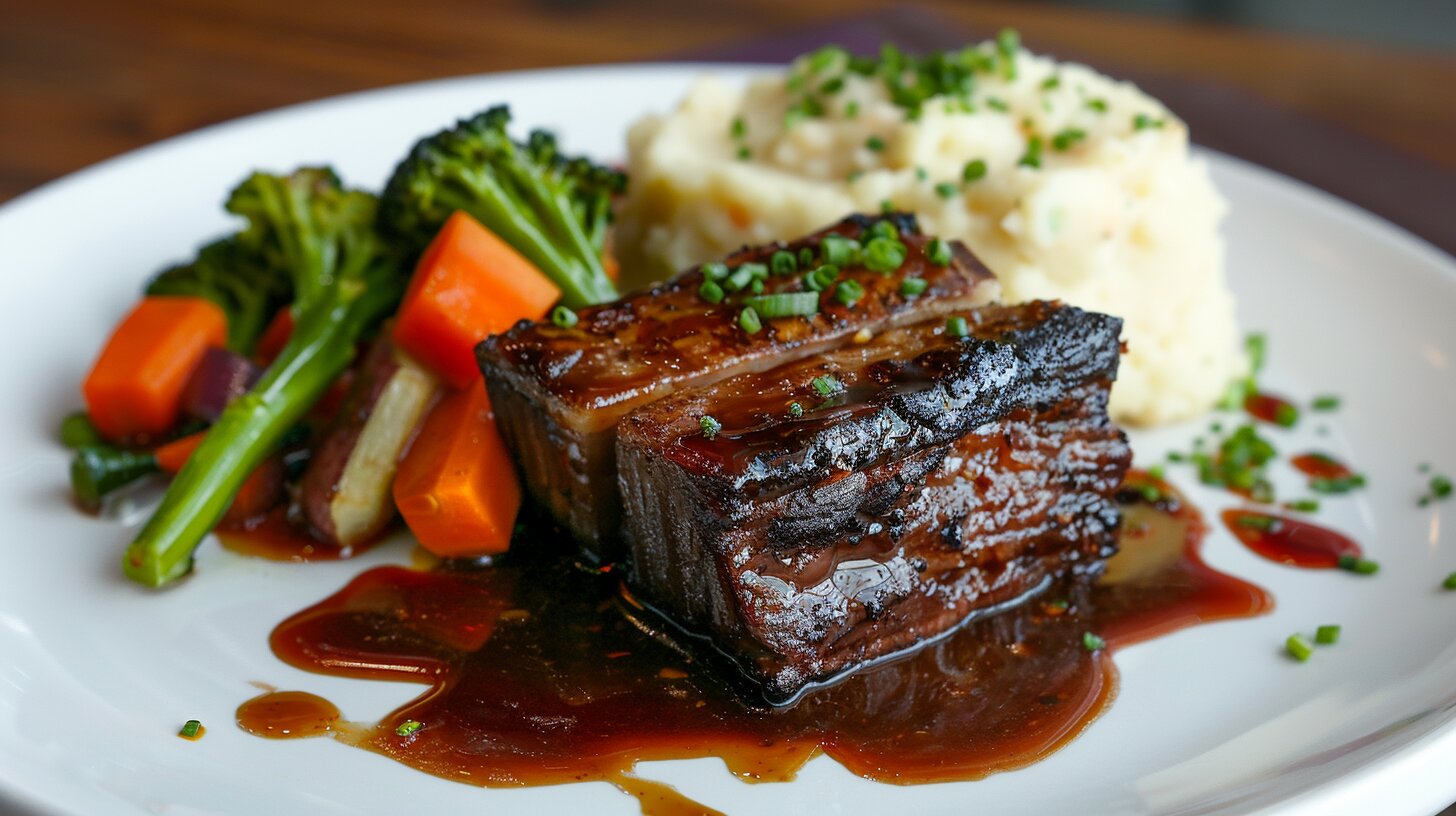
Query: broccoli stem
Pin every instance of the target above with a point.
(582, 282)
(248, 430)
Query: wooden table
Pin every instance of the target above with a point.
(83, 80)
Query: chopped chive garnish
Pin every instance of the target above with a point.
(744, 154)
(921, 174)
(1440, 487)
(190, 729)
(875, 143)
(408, 727)
(1007, 43)
(974, 170)
(564, 317)
(887, 206)
(806, 257)
(1303, 505)
(1286, 415)
(996, 104)
(783, 263)
(744, 275)
(1327, 634)
(1067, 137)
(796, 410)
(784, 304)
(1337, 486)
(739, 128)
(820, 279)
(910, 287)
(884, 255)
(837, 250)
(825, 385)
(955, 326)
(826, 58)
(1157, 472)
(1143, 121)
(711, 292)
(1256, 346)
(1325, 402)
(851, 109)
(748, 320)
(1032, 157)
(1099, 105)
(715, 271)
(945, 190)
(1357, 565)
(938, 252)
(1450, 582)
(756, 287)
(833, 86)
(848, 292)
(737, 281)
(709, 426)
(1298, 647)
(1092, 642)
(1051, 83)
(883, 228)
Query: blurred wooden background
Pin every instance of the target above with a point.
(82, 80)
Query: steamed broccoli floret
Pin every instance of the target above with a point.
(552, 209)
(344, 279)
(248, 290)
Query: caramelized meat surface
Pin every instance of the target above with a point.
(558, 392)
(843, 508)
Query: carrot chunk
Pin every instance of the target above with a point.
(468, 284)
(135, 387)
(274, 338)
(173, 455)
(456, 487)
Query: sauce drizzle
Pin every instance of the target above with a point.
(538, 672)
(1289, 540)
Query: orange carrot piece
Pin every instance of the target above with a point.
(456, 487)
(467, 285)
(261, 491)
(173, 455)
(274, 338)
(135, 387)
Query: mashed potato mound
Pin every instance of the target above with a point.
(1118, 216)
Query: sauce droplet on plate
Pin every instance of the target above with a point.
(1289, 540)
(288, 715)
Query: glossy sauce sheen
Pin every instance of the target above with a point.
(1267, 407)
(275, 538)
(536, 675)
(1320, 466)
(288, 715)
(620, 353)
(1289, 540)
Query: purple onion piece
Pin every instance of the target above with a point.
(220, 377)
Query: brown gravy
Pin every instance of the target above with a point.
(539, 673)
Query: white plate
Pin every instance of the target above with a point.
(97, 674)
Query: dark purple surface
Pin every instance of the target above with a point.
(1412, 193)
